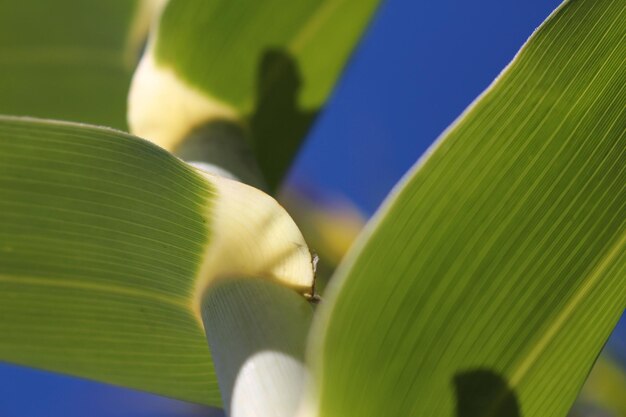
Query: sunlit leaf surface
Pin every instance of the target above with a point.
(107, 244)
(490, 280)
(268, 66)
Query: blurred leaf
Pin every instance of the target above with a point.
(329, 222)
(271, 63)
(107, 244)
(604, 388)
(67, 59)
(490, 280)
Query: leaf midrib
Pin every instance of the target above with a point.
(178, 302)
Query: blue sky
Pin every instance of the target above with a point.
(420, 64)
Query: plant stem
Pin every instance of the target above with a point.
(223, 145)
(257, 331)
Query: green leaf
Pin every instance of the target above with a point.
(67, 59)
(269, 64)
(491, 278)
(107, 244)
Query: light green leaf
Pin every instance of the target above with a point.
(491, 278)
(67, 59)
(107, 244)
(269, 64)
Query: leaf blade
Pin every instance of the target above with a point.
(268, 66)
(78, 70)
(84, 249)
(499, 247)
(107, 243)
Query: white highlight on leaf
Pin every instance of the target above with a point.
(257, 335)
(164, 109)
(146, 13)
(251, 398)
(213, 169)
(251, 235)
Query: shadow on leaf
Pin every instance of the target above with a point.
(278, 125)
(272, 135)
(483, 393)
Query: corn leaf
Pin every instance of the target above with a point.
(490, 280)
(68, 59)
(107, 244)
(267, 65)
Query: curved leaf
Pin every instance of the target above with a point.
(107, 244)
(492, 277)
(268, 65)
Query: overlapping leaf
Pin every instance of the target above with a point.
(490, 280)
(107, 244)
(266, 66)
